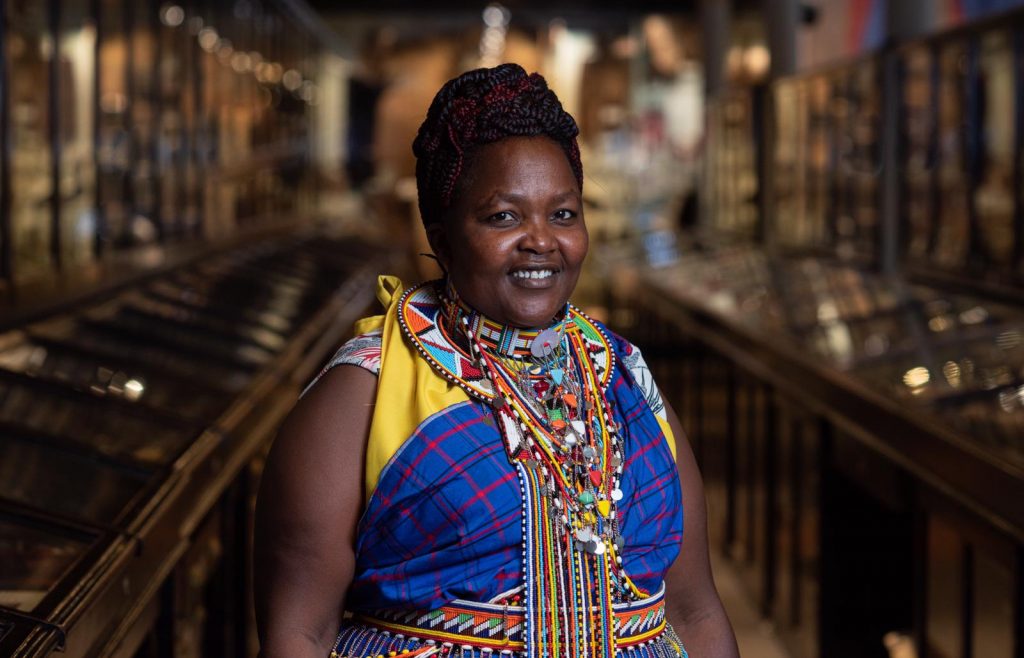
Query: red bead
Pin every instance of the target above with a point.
(595, 478)
(542, 387)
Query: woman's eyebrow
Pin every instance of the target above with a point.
(512, 197)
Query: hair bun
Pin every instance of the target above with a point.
(480, 107)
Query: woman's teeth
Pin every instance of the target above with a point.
(532, 274)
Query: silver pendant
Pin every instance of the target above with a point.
(545, 343)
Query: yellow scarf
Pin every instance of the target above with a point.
(409, 391)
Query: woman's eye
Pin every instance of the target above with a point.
(503, 217)
(564, 215)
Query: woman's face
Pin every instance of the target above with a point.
(514, 239)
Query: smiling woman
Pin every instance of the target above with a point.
(515, 239)
(485, 470)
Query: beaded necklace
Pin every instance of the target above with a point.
(561, 434)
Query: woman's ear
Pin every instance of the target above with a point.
(437, 236)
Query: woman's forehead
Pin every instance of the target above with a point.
(518, 166)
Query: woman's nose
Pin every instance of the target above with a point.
(537, 236)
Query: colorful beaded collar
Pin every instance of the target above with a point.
(421, 314)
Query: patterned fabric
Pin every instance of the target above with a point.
(641, 373)
(362, 351)
(481, 629)
(444, 521)
(504, 625)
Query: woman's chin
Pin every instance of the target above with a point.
(532, 317)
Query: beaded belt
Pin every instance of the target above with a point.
(500, 628)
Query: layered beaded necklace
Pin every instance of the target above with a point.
(561, 433)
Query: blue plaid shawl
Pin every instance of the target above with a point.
(444, 521)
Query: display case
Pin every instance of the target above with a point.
(28, 50)
(132, 124)
(952, 235)
(732, 182)
(819, 163)
(113, 141)
(787, 210)
(825, 193)
(882, 319)
(960, 140)
(76, 166)
(126, 425)
(146, 222)
(36, 556)
(857, 227)
(860, 440)
(918, 124)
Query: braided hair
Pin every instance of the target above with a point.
(477, 108)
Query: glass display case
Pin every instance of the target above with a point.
(864, 164)
(877, 387)
(953, 217)
(155, 123)
(958, 358)
(732, 182)
(918, 155)
(994, 194)
(118, 418)
(114, 138)
(788, 210)
(143, 110)
(67, 482)
(827, 161)
(33, 558)
(76, 188)
(162, 300)
(29, 46)
(819, 162)
(960, 146)
(113, 376)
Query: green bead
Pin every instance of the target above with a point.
(586, 498)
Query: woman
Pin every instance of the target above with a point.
(484, 470)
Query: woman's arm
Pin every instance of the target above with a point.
(310, 499)
(694, 608)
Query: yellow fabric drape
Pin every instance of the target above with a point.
(409, 391)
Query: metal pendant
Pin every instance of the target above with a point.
(545, 343)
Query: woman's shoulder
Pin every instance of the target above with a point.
(624, 350)
(632, 361)
(362, 351)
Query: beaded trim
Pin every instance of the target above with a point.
(502, 626)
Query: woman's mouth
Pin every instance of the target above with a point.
(536, 275)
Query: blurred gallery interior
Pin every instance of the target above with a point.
(808, 214)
